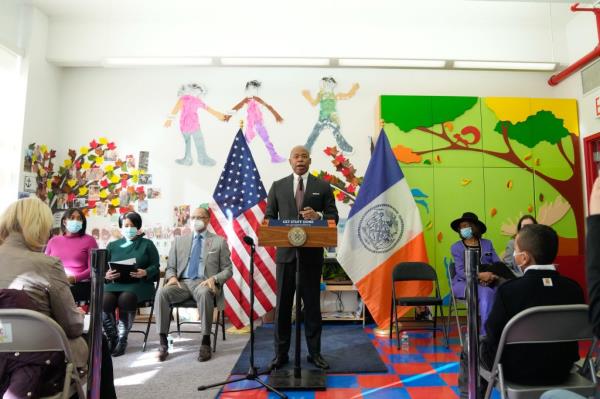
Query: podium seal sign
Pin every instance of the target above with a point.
(297, 236)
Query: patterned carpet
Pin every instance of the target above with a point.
(423, 369)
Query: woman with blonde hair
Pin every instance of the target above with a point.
(24, 230)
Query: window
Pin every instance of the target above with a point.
(11, 125)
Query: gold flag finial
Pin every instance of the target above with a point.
(241, 123)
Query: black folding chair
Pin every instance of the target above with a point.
(416, 271)
(148, 304)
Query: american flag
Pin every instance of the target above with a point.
(238, 207)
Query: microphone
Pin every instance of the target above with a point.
(249, 240)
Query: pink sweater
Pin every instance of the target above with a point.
(74, 253)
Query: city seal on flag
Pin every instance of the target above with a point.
(380, 228)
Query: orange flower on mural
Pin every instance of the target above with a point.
(406, 155)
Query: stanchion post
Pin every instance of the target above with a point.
(472, 258)
(98, 263)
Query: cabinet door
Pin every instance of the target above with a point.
(407, 119)
(457, 190)
(509, 194)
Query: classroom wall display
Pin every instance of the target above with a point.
(498, 157)
(188, 105)
(345, 188)
(326, 98)
(94, 178)
(254, 118)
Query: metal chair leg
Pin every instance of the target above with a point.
(223, 323)
(397, 328)
(435, 315)
(460, 336)
(148, 327)
(391, 337)
(216, 333)
(444, 330)
(178, 323)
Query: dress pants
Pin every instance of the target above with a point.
(203, 296)
(310, 280)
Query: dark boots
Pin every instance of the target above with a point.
(110, 330)
(125, 323)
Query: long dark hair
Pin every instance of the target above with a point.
(67, 215)
(525, 217)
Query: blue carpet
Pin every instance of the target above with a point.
(347, 349)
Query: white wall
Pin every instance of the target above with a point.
(581, 37)
(15, 24)
(446, 29)
(41, 122)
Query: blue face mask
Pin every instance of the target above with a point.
(74, 226)
(466, 233)
(129, 232)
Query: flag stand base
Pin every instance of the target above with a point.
(313, 380)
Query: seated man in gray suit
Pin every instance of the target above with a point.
(199, 265)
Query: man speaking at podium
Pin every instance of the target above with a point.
(299, 196)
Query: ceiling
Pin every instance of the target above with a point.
(100, 9)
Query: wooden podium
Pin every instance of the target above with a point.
(298, 234)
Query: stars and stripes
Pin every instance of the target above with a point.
(238, 208)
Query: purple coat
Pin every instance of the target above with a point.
(488, 256)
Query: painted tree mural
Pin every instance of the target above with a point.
(499, 157)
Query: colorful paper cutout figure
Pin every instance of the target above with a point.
(328, 117)
(188, 104)
(254, 118)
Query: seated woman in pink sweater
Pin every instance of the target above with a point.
(73, 248)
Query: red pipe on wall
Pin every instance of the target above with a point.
(577, 65)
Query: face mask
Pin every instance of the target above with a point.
(74, 226)
(129, 232)
(515, 253)
(466, 233)
(199, 224)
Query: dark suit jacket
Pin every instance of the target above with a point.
(532, 363)
(592, 261)
(282, 205)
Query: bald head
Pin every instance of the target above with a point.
(300, 159)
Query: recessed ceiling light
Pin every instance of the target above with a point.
(157, 61)
(391, 63)
(522, 66)
(274, 61)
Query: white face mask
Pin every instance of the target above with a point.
(515, 253)
(198, 224)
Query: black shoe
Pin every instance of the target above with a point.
(279, 361)
(204, 353)
(318, 361)
(163, 353)
(125, 323)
